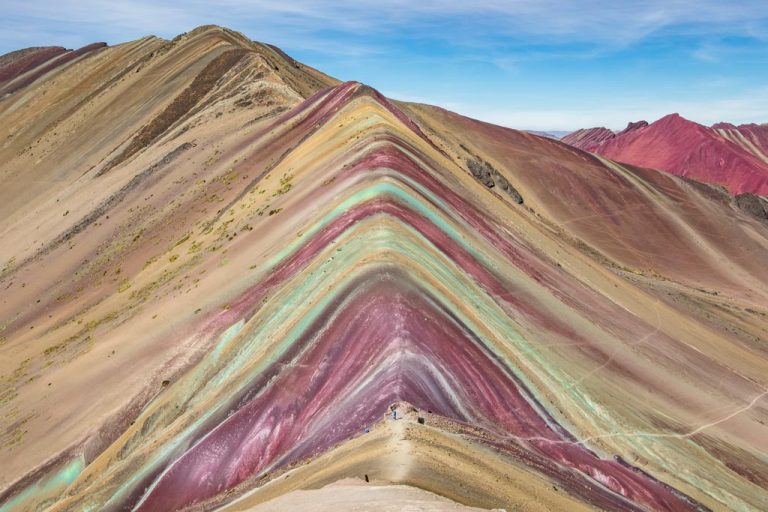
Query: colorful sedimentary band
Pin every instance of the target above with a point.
(352, 261)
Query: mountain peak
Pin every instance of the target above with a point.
(631, 126)
(673, 118)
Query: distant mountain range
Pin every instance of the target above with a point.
(735, 157)
(552, 134)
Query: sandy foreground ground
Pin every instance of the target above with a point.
(355, 495)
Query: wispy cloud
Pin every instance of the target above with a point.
(707, 53)
(744, 107)
(562, 21)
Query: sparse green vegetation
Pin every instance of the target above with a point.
(285, 185)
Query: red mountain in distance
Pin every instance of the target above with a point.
(589, 139)
(724, 154)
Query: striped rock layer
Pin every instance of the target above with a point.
(221, 269)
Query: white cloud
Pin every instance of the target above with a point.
(608, 22)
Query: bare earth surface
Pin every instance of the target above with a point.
(355, 495)
(221, 269)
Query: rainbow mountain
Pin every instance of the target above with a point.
(229, 279)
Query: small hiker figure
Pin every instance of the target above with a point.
(394, 414)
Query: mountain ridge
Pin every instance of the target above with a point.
(254, 288)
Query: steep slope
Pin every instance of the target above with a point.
(120, 99)
(752, 137)
(224, 306)
(733, 157)
(588, 139)
(21, 61)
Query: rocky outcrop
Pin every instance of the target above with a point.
(490, 177)
(753, 205)
(632, 126)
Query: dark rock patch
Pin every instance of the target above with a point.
(486, 174)
(752, 205)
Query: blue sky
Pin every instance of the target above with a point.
(530, 64)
